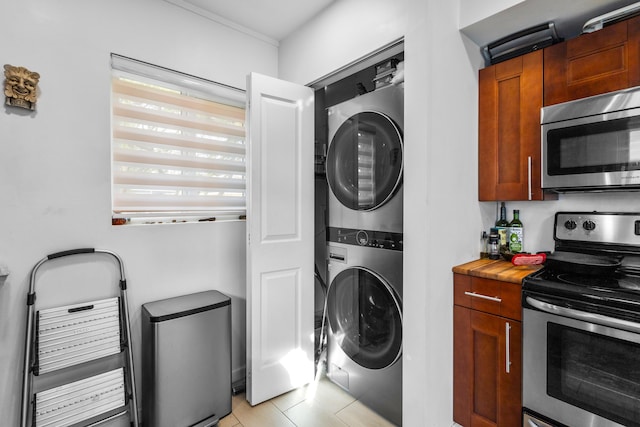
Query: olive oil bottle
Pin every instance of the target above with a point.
(516, 233)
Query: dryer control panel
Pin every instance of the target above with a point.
(367, 238)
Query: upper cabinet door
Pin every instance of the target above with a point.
(595, 63)
(510, 99)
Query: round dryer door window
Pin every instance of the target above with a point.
(365, 316)
(364, 161)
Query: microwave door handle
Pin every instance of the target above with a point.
(583, 316)
(529, 176)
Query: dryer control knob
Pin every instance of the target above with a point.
(362, 238)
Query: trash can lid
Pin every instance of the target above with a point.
(185, 305)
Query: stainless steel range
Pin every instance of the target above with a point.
(581, 325)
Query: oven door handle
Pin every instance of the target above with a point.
(583, 316)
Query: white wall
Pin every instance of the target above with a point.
(443, 218)
(55, 163)
(341, 34)
(442, 214)
(441, 187)
(472, 11)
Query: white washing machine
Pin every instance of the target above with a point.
(364, 310)
(364, 163)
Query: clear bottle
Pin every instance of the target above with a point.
(494, 244)
(516, 233)
(501, 225)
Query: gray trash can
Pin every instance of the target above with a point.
(186, 360)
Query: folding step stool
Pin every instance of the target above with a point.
(92, 340)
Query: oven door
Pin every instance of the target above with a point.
(579, 372)
(601, 150)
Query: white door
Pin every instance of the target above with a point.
(280, 228)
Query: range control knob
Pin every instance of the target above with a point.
(570, 224)
(362, 238)
(589, 225)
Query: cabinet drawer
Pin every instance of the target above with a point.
(490, 296)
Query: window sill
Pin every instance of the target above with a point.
(149, 220)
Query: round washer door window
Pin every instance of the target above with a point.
(364, 161)
(366, 318)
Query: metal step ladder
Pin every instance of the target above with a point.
(78, 360)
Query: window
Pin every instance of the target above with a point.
(178, 145)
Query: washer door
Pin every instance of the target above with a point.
(365, 160)
(365, 316)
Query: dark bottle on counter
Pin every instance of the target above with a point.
(494, 244)
(516, 233)
(501, 225)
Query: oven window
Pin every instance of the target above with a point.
(609, 146)
(594, 372)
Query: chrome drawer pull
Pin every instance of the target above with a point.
(507, 331)
(475, 295)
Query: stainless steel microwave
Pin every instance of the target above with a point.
(592, 143)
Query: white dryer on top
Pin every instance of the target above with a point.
(365, 161)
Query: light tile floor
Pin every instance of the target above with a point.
(320, 404)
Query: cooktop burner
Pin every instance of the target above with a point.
(582, 280)
(618, 281)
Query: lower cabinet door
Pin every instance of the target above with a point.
(487, 369)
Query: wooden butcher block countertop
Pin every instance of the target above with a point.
(496, 270)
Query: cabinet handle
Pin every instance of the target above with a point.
(475, 295)
(529, 176)
(507, 332)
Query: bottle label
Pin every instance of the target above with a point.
(515, 239)
(502, 232)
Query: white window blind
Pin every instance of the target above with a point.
(178, 144)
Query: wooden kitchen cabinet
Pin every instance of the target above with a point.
(510, 98)
(487, 359)
(599, 62)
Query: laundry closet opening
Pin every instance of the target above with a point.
(359, 159)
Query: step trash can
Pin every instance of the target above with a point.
(186, 360)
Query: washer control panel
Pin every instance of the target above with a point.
(366, 238)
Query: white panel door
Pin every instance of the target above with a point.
(280, 200)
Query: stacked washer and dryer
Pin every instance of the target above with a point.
(364, 168)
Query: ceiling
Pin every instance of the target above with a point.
(568, 17)
(272, 20)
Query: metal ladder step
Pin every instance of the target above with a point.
(74, 334)
(80, 400)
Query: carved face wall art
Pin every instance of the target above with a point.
(20, 87)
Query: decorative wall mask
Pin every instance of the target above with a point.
(20, 87)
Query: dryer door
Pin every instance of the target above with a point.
(365, 316)
(365, 159)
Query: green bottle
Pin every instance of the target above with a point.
(501, 225)
(516, 233)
